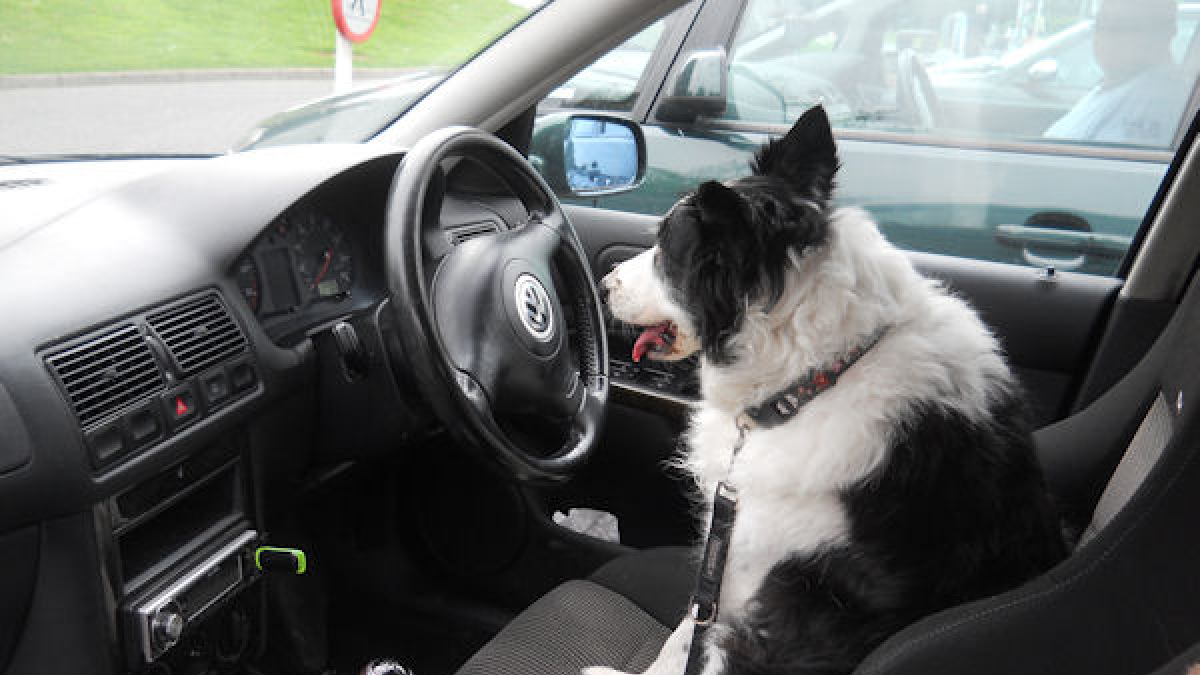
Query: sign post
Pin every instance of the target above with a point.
(355, 21)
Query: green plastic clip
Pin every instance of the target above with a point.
(270, 558)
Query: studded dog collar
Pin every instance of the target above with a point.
(786, 403)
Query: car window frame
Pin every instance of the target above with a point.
(1191, 59)
(678, 25)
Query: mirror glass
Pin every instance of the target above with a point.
(599, 155)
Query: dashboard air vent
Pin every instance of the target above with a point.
(107, 373)
(198, 333)
(462, 233)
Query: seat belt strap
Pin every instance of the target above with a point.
(1140, 457)
(707, 592)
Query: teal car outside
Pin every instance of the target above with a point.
(922, 201)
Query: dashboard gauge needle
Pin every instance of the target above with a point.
(326, 258)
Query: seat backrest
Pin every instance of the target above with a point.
(1128, 599)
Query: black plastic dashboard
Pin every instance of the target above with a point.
(124, 252)
(287, 242)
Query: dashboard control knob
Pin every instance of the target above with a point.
(167, 626)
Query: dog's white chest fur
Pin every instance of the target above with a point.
(787, 481)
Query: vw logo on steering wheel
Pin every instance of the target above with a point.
(533, 306)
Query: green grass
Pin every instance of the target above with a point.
(55, 36)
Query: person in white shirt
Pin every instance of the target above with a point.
(1141, 98)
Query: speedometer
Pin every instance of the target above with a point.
(321, 256)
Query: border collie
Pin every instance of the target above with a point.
(885, 468)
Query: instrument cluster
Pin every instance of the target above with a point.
(303, 267)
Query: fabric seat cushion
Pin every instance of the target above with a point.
(658, 580)
(580, 623)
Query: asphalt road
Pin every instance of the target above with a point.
(124, 115)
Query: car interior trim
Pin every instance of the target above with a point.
(1170, 239)
(638, 391)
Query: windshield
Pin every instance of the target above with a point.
(160, 77)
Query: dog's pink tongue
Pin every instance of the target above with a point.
(651, 339)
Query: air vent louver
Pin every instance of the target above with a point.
(107, 373)
(471, 230)
(198, 333)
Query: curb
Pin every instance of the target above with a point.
(198, 75)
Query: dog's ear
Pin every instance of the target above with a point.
(718, 204)
(806, 158)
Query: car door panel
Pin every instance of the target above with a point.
(1047, 324)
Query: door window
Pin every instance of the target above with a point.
(1032, 132)
(1113, 71)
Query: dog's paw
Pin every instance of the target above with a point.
(601, 670)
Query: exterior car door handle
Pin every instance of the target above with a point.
(1078, 243)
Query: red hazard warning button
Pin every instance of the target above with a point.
(181, 405)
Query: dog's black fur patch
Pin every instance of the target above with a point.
(959, 511)
(724, 244)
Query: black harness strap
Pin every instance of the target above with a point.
(712, 569)
(774, 411)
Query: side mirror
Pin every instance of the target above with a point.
(585, 155)
(1043, 71)
(697, 89)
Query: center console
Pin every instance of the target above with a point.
(181, 561)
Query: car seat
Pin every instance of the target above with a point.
(1126, 601)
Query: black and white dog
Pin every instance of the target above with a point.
(885, 471)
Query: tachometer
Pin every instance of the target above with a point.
(321, 256)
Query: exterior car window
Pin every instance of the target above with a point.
(611, 82)
(193, 78)
(870, 63)
(1025, 133)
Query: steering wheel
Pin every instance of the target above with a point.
(916, 101)
(502, 332)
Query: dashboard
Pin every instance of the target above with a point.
(277, 239)
(160, 369)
